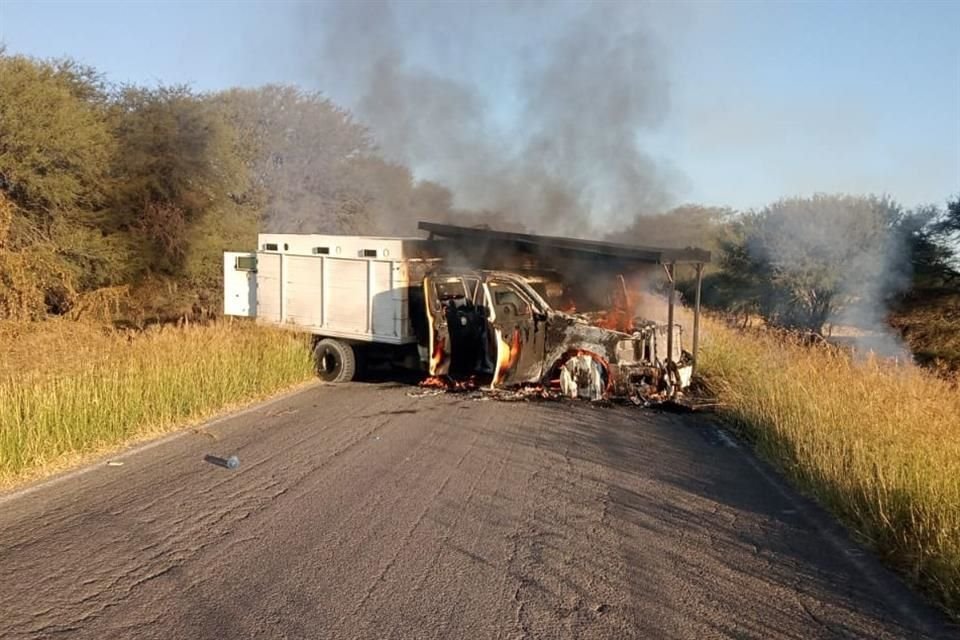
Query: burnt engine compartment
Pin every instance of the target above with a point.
(606, 354)
(604, 312)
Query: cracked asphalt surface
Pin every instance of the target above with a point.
(359, 511)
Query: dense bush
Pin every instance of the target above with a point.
(140, 189)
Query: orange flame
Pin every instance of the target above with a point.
(514, 349)
(620, 316)
(437, 356)
(617, 320)
(448, 383)
(503, 359)
(507, 355)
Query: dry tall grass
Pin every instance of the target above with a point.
(69, 389)
(876, 444)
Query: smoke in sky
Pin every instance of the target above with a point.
(566, 158)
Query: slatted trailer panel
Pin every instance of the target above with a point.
(354, 287)
(269, 301)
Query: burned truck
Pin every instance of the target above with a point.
(473, 307)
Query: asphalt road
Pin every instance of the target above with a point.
(361, 512)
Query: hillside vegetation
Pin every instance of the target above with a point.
(117, 201)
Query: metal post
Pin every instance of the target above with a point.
(670, 274)
(696, 317)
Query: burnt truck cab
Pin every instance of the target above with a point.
(496, 324)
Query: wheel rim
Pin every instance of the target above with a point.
(328, 364)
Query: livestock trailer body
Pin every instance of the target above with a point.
(356, 288)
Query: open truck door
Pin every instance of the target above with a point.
(435, 289)
(518, 321)
(239, 284)
(460, 343)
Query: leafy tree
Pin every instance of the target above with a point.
(928, 231)
(804, 260)
(395, 201)
(949, 225)
(55, 142)
(104, 187)
(179, 160)
(316, 170)
(733, 284)
(928, 314)
(55, 153)
(945, 233)
(306, 158)
(689, 225)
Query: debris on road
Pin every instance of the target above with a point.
(227, 463)
(422, 393)
(478, 388)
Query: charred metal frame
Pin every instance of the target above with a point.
(695, 350)
(670, 268)
(669, 258)
(624, 252)
(671, 278)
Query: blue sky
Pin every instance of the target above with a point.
(765, 99)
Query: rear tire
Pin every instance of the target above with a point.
(334, 361)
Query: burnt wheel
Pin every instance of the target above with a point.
(334, 361)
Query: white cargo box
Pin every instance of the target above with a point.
(354, 287)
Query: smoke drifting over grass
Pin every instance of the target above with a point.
(565, 159)
(832, 259)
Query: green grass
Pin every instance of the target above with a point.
(69, 390)
(877, 444)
